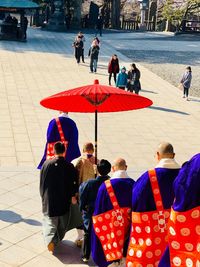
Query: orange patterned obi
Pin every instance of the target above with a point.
(112, 227)
(148, 238)
(184, 238)
(50, 146)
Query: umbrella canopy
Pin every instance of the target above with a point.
(19, 4)
(95, 97)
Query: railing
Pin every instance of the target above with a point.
(130, 25)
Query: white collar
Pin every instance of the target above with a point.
(120, 174)
(168, 164)
(64, 115)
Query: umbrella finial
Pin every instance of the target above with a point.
(96, 81)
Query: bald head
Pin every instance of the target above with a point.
(165, 150)
(119, 164)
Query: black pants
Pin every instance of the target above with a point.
(110, 75)
(82, 55)
(122, 87)
(87, 241)
(186, 91)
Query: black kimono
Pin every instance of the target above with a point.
(58, 183)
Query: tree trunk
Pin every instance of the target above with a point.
(115, 14)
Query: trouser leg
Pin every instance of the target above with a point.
(186, 91)
(115, 76)
(50, 225)
(87, 243)
(95, 65)
(91, 64)
(110, 75)
(82, 55)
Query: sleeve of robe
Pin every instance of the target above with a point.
(71, 135)
(104, 204)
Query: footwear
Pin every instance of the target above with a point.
(51, 247)
(183, 96)
(84, 259)
(187, 99)
(79, 243)
(83, 61)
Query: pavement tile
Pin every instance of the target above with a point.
(11, 198)
(19, 256)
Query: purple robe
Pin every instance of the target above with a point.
(123, 191)
(187, 193)
(71, 135)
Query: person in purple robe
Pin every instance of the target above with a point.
(62, 129)
(122, 186)
(187, 197)
(143, 201)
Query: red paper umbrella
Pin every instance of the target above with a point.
(95, 98)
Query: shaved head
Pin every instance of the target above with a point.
(165, 150)
(119, 164)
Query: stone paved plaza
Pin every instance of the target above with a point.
(43, 66)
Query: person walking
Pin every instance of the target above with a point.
(113, 68)
(82, 37)
(112, 218)
(152, 198)
(62, 129)
(99, 26)
(134, 79)
(122, 78)
(94, 55)
(78, 46)
(58, 188)
(186, 82)
(88, 193)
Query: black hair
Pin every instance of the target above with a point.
(104, 167)
(189, 68)
(59, 148)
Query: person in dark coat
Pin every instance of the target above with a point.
(82, 37)
(99, 25)
(88, 193)
(93, 54)
(134, 79)
(78, 46)
(113, 68)
(58, 188)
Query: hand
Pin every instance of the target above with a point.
(74, 200)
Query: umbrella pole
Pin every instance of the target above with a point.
(96, 126)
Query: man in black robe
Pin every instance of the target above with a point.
(58, 188)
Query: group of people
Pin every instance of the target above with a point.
(154, 221)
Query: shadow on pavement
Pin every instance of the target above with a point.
(148, 91)
(13, 217)
(169, 110)
(68, 253)
(194, 99)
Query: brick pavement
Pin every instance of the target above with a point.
(43, 66)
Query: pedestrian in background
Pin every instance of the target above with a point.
(78, 46)
(134, 79)
(186, 82)
(82, 37)
(122, 79)
(113, 68)
(94, 55)
(99, 25)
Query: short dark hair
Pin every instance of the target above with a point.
(104, 167)
(59, 148)
(189, 68)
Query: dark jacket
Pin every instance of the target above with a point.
(58, 183)
(94, 52)
(113, 66)
(88, 193)
(78, 48)
(134, 79)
